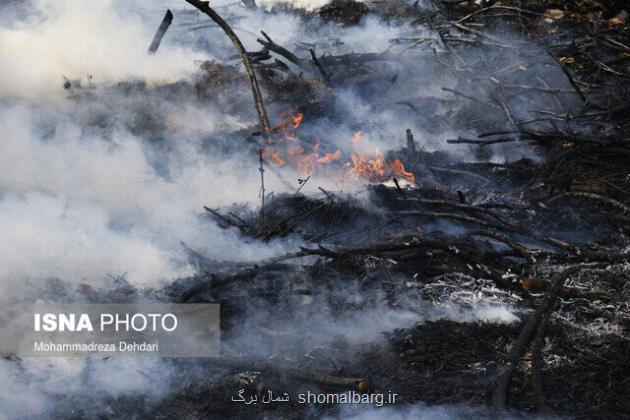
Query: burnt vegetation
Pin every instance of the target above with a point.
(546, 233)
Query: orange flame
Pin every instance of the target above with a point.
(273, 157)
(398, 169)
(372, 167)
(329, 157)
(378, 167)
(294, 121)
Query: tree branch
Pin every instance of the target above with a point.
(249, 69)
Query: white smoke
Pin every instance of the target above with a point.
(79, 206)
(476, 312)
(75, 39)
(309, 5)
(33, 387)
(80, 201)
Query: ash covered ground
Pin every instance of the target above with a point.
(428, 198)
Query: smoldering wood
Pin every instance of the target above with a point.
(161, 31)
(506, 224)
(318, 64)
(411, 145)
(269, 45)
(513, 221)
(519, 347)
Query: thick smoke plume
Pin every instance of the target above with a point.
(108, 177)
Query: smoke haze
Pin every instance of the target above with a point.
(109, 177)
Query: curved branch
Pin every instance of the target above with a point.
(519, 347)
(249, 69)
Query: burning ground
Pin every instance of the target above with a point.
(426, 198)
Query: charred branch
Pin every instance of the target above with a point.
(204, 7)
(318, 64)
(270, 45)
(529, 329)
(161, 31)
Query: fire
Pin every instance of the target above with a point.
(273, 157)
(398, 169)
(329, 157)
(379, 167)
(375, 168)
(293, 122)
(285, 147)
(307, 161)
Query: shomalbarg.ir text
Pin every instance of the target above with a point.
(350, 397)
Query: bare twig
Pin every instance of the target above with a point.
(481, 143)
(302, 184)
(568, 75)
(318, 64)
(497, 7)
(327, 194)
